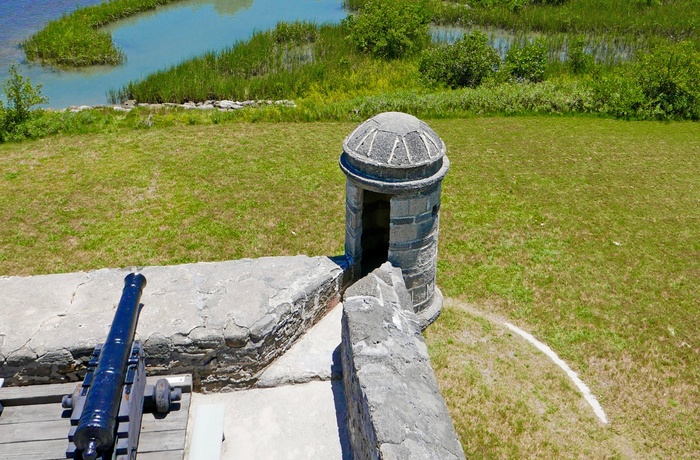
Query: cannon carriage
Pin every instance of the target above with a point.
(106, 408)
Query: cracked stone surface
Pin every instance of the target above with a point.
(222, 321)
(314, 357)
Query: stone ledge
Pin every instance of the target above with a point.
(395, 409)
(224, 322)
(222, 105)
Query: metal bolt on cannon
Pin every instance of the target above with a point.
(107, 407)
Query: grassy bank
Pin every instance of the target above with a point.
(276, 65)
(74, 40)
(670, 19)
(581, 231)
(327, 71)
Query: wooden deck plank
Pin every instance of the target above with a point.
(55, 427)
(44, 450)
(45, 412)
(166, 455)
(39, 431)
(36, 431)
(45, 394)
(149, 443)
(30, 414)
(162, 441)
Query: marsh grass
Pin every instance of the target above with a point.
(581, 231)
(328, 77)
(670, 19)
(275, 65)
(75, 41)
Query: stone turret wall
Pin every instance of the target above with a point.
(395, 409)
(395, 165)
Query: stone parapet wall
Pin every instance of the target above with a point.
(395, 409)
(224, 322)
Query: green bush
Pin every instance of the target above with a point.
(669, 77)
(3, 117)
(617, 95)
(577, 60)
(390, 29)
(527, 62)
(466, 63)
(21, 97)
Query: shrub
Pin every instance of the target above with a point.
(527, 62)
(669, 76)
(390, 29)
(3, 117)
(617, 95)
(466, 63)
(577, 60)
(21, 97)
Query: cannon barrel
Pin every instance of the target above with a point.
(95, 432)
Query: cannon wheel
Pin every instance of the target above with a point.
(162, 396)
(71, 400)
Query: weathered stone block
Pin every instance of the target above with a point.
(21, 357)
(420, 276)
(61, 357)
(419, 294)
(395, 410)
(234, 335)
(433, 195)
(403, 233)
(414, 259)
(263, 327)
(353, 247)
(158, 347)
(353, 195)
(206, 338)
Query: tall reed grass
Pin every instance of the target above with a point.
(324, 69)
(629, 20)
(275, 65)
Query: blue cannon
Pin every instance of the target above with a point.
(107, 407)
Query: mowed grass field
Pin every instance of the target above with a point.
(584, 232)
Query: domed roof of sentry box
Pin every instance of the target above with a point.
(393, 146)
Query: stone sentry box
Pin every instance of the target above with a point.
(394, 165)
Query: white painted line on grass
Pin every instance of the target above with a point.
(559, 362)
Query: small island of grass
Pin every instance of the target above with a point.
(75, 41)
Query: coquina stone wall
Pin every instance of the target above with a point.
(224, 322)
(395, 409)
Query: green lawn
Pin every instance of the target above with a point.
(582, 231)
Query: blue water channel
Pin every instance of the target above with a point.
(152, 41)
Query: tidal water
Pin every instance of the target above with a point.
(503, 40)
(152, 41)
